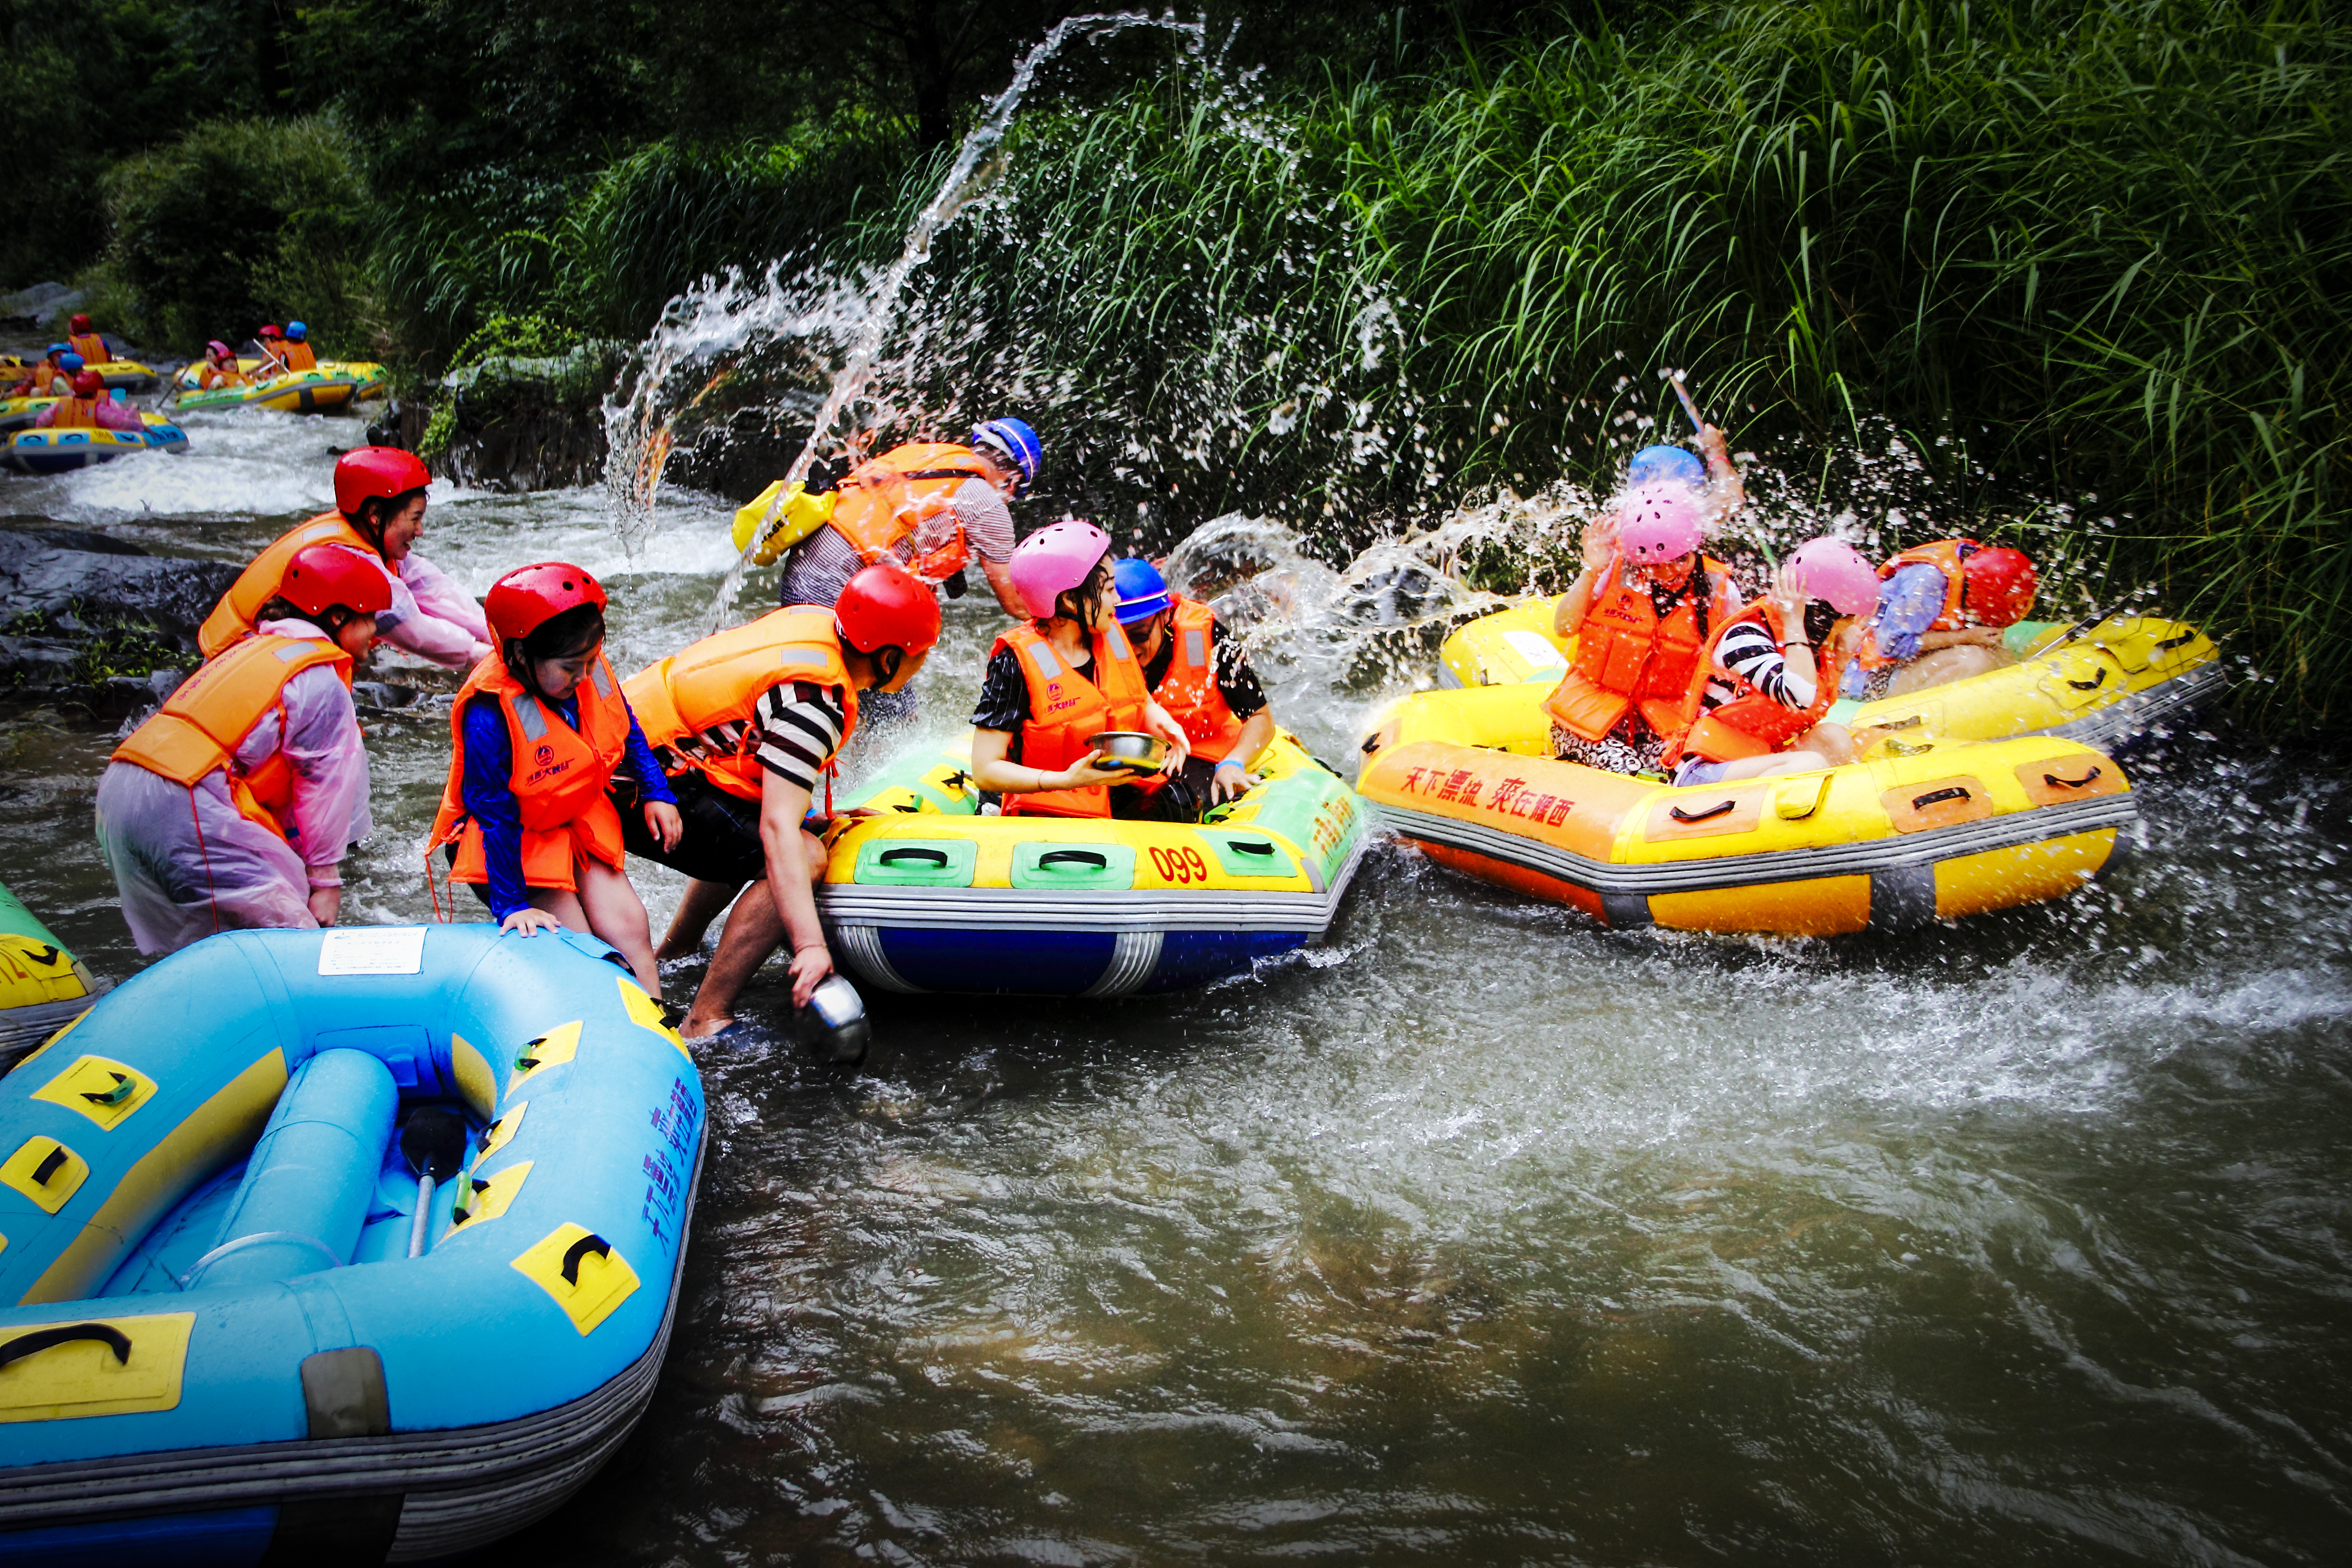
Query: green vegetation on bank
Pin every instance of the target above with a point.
(2087, 252)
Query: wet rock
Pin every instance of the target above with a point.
(29, 309)
(92, 623)
(514, 423)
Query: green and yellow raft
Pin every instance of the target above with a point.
(42, 986)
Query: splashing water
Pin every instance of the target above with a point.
(640, 446)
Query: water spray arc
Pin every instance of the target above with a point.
(641, 446)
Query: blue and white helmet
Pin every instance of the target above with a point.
(1665, 465)
(1013, 440)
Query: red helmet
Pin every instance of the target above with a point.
(385, 471)
(2000, 585)
(885, 606)
(268, 330)
(529, 597)
(324, 574)
(78, 324)
(89, 383)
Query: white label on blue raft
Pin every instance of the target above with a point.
(373, 949)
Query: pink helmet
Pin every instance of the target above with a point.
(1657, 524)
(1054, 560)
(1834, 571)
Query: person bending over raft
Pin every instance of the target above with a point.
(1772, 672)
(221, 368)
(539, 728)
(84, 340)
(1642, 611)
(380, 513)
(232, 806)
(1941, 611)
(930, 505)
(745, 723)
(87, 407)
(1203, 679)
(1064, 676)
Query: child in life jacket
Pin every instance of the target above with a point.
(1204, 681)
(294, 351)
(221, 368)
(380, 514)
(1643, 612)
(1772, 672)
(234, 804)
(46, 376)
(1062, 677)
(1942, 608)
(539, 728)
(88, 406)
(84, 340)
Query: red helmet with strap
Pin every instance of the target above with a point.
(2000, 585)
(385, 471)
(89, 383)
(324, 575)
(529, 597)
(268, 330)
(78, 324)
(887, 607)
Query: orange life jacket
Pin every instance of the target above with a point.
(92, 348)
(719, 680)
(296, 357)
(200, 726)
(75, 413)
(885, 501)
(1188, 689)
(215, 375)
(259, 584)
(560, 777)
(1628, 657)
(1065, 708)
(1751, 724)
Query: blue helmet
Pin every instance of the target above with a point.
(1015, 441)
(58, 348)
(1142, 591)
(70, 362)
(295, 332)
(1665, 465)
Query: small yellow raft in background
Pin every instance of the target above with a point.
(1928, 831)
(42, 986)
(2100, 684)
(331, 386)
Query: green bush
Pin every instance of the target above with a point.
(239, 221)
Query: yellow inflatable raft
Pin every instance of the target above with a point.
(2100, 684)
(1926, 830)
(119, 374)
(332, 384)
(926, 894)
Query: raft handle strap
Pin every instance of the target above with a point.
(1679, 815)
(48, 1167)
(1957, 792)
(123, 1089)
(1249, 846)
(2093, 683)
(2054, 781)
(929, 856)
(2183, 640)
(587, 1244)
(1074, 858)
(39, 1339)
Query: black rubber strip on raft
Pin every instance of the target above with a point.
(1902, 897)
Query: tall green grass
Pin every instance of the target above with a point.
(2094, 252)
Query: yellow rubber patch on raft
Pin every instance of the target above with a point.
(93, 1366)
(105, 1091)
(580, 1270)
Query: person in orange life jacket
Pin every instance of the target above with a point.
(746, 723)
(87, 407)
(221, 368)
(997, 464)
(539, 728)
(294, 351)
(380, 496)
(47, 376)
(1773, 670)
(85, 342)
(1203, 680)
(272, 342)
(232, 805)
(1942, 608)
(1642, 612)
(1066, 675)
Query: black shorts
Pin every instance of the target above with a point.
(721, 840)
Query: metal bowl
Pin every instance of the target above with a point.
(1130, 749)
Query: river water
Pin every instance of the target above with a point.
(1476, 1234)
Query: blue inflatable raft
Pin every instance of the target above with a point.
(62, 451)
(218, 1345)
